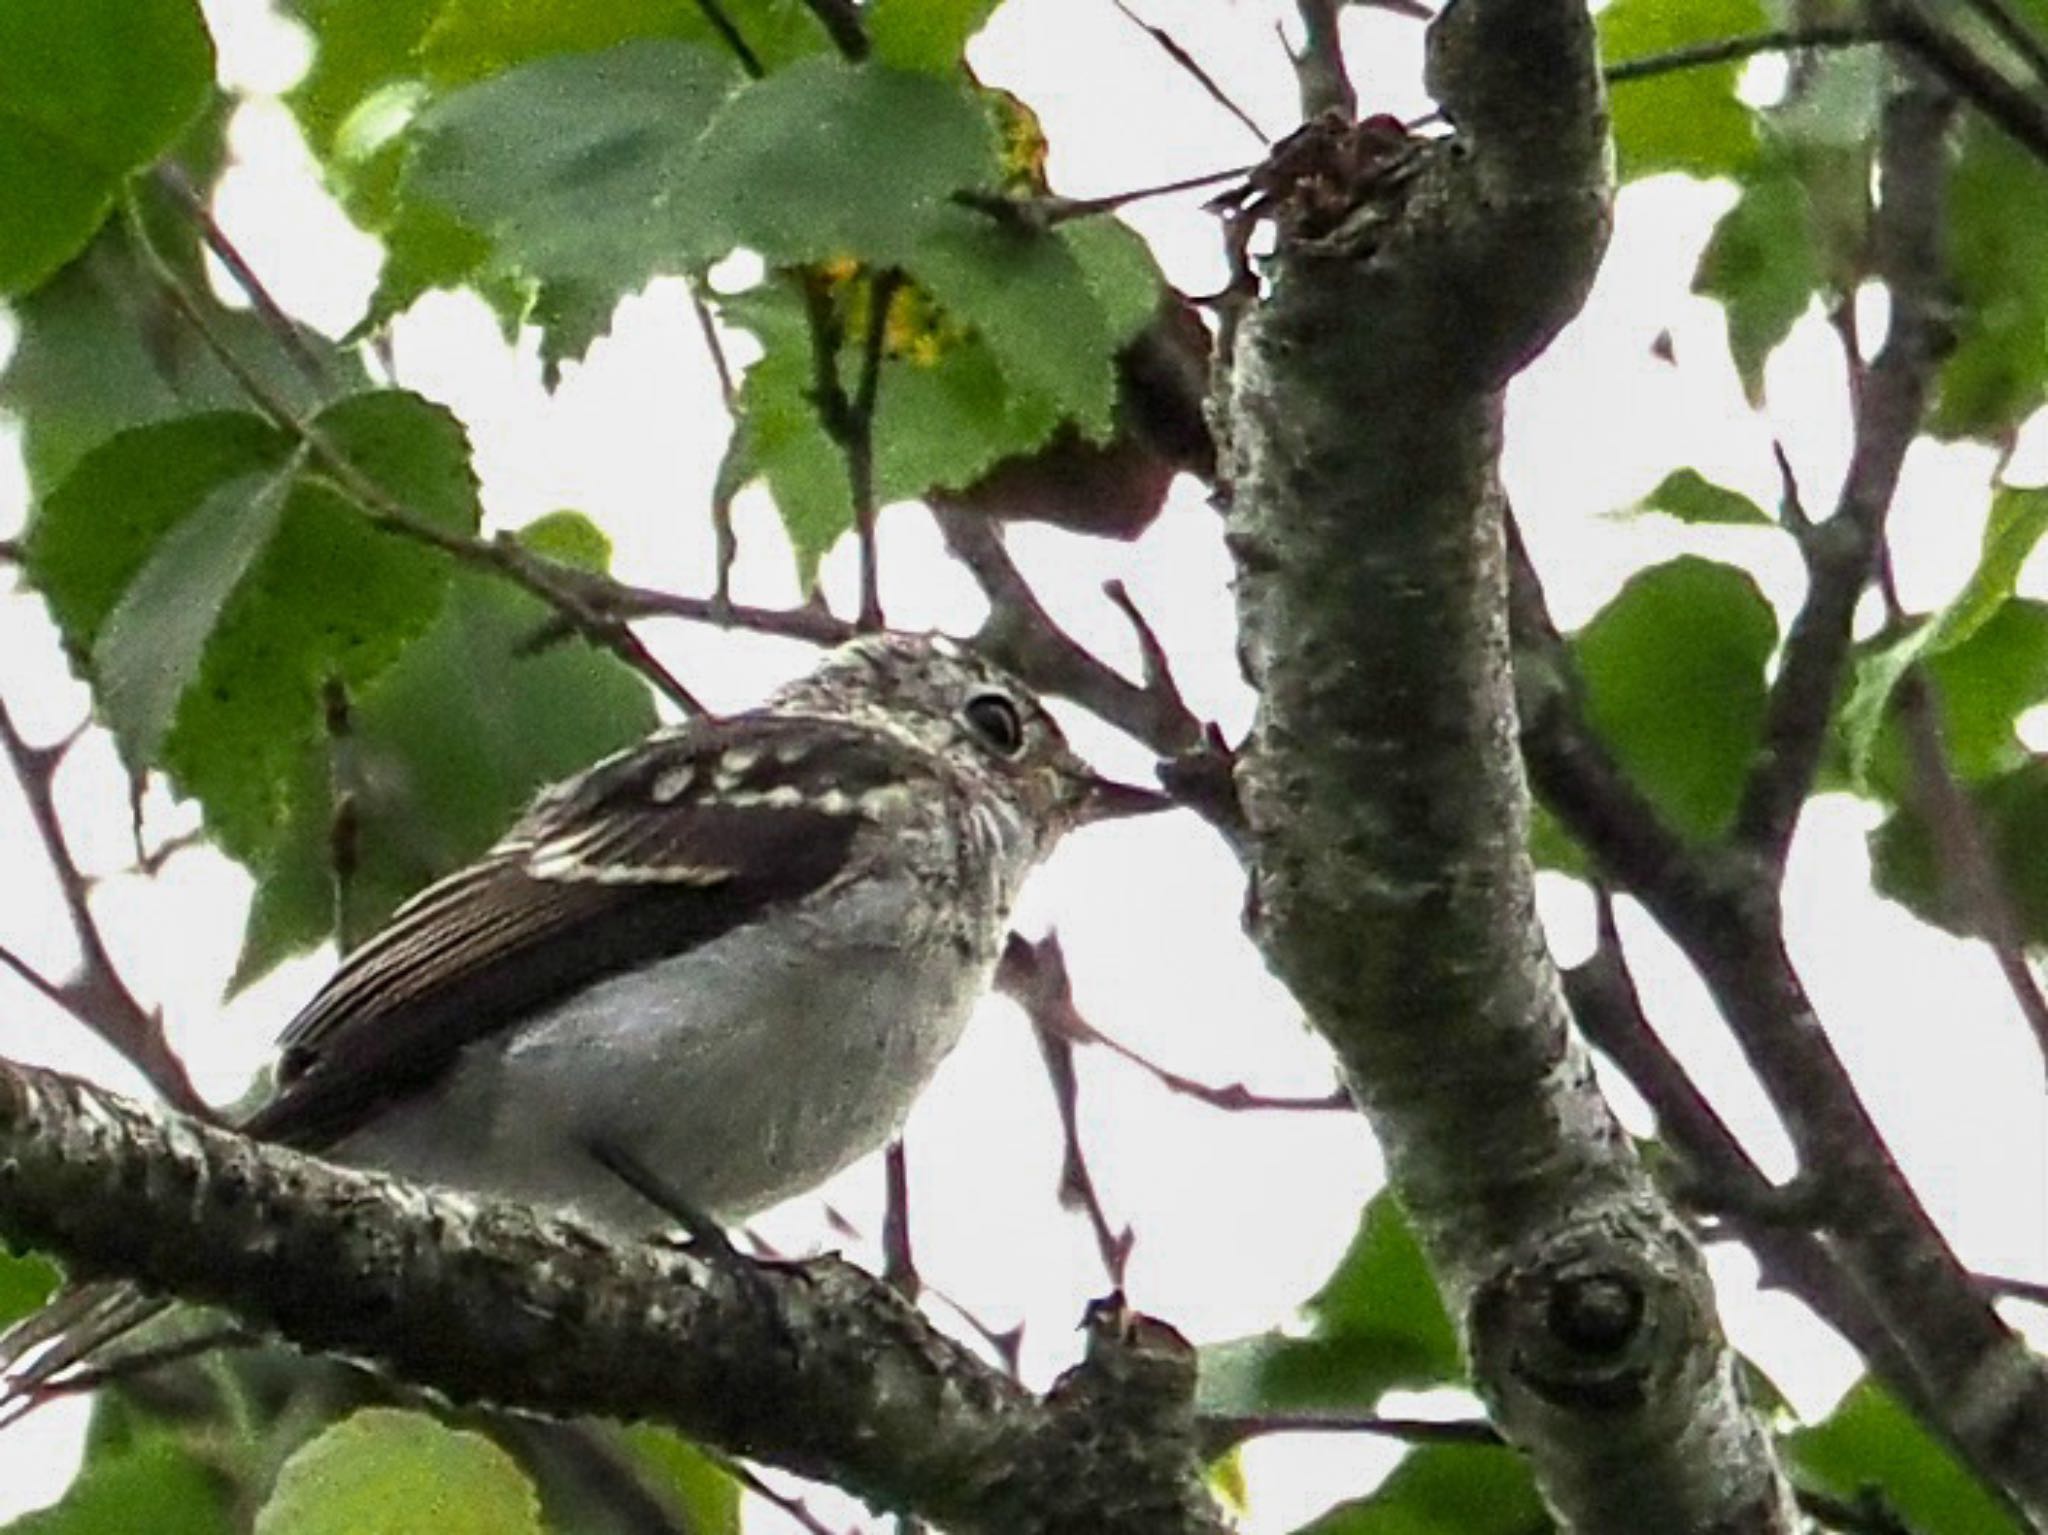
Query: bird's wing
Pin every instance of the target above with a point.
(650, 853)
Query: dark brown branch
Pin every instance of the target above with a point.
(561, 587)
(1022, 635)
(1841, 552)
(2017, 112)
(841, 21)
(732, 37)
(1319, 69)
(1962, 851)
(1034, 975)
(283, 329)
(1729, 50)
(2017, 35)
(1188, 63)
(96, 995)
(815, 1367)
(849, 418)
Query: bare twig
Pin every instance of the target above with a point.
(1034, 975)
(731, 36)
(2017, 35)
(2018, 112)
(1187, 62)
(1050, 209)
(849, 419)
(1964, 856)
(841, 21)
(562, 587)
(97, 995)
(899, 1264)
(1022, 635)
(1221, 1432)
(283, 329)
(1729, 50)
(1324, 82)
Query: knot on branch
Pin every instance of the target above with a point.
(1321, 174)
(1588, 1324)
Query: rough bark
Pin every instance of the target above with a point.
(814, 1366)
(1362, 416)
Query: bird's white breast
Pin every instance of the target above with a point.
(742, 1072)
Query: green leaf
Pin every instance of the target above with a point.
(704, 1492)
(1375, 1325)
(150, 650)
(1997, 249)
(472, 40)
(360, 47)
(1445, 1490)
(1691, 497)
(100, 347)
(385, 1472)
(570, 166)
(1762, 265)
(1674, 675)
(2017, 520)
(826, 160)
(444, 750)
(151, 1484)
(1869, 1441)
(280, 590)
(25, 1283)
(928, 35)
(2011, 813)
(1688, 119)
(90, 91)
(1006, 283)
(1986, 682)
(944, 415)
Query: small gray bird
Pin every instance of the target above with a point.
(722, 962)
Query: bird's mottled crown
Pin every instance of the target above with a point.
(938, 695)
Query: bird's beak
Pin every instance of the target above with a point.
(1104, 799)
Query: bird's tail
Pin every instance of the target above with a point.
(59, 1347)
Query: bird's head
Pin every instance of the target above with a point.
(946, 699)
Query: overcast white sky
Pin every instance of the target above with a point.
(1237, 1217)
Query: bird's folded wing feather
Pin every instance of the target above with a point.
(660, 849)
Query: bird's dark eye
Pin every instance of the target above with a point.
(996, 721)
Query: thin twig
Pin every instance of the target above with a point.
(1841, 552)
(899, 1264)
(1222, 1431)
(1187, 62)
(1319, 69)
(1730, 50)
(2016, 111)
(841, 21)
(1963, 852)
(283, 329)
(789, 1503)
(1050, 209)
(732, 37)
(96, 995)
(562, 587)
(859, 443)
(1035, 976)
(2021, 38)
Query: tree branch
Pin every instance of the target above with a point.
(815, 1367)
(1958, 1361)
(97, 995)
(1389, 818)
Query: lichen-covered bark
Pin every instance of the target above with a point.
(813, 1366)
(1362, 413)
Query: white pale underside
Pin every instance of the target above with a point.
(742, 1072)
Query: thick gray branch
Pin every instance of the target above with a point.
(1385, 793)
(815, 1366)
